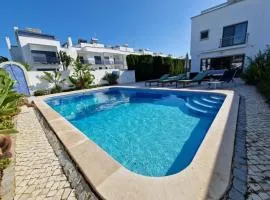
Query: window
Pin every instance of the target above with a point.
(205, 64)
(81, 59)
(45, 57)
(234, 34)
(204, 35)
(107, 60)
(226, 62)
(97, 60)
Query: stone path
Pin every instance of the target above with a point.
(257, 143)
(38, 174)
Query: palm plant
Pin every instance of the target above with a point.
(65, 59)
(81, 77)
(54, 78)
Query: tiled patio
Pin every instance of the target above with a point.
(37, 171)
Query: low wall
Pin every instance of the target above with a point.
(36, 83)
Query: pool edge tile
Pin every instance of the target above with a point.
(212, 175)
(93, 161)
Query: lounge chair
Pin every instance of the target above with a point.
(165, 76)
(196, 79)
(227, 77)
(172, 79)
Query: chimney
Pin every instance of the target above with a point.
(69, 42)
(8, 43)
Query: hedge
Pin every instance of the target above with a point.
(258, 73)
(148, 67)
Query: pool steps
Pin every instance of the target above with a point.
(204, 105)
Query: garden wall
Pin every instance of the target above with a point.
(36, 83)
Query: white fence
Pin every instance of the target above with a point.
(36, 83)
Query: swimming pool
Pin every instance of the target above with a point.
(150, 132)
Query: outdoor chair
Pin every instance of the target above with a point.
(197, 79)
(172, 79)
(149, 82)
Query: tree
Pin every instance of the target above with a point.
(56, 79)
(3, 59)
(81, 77)
(65, 59)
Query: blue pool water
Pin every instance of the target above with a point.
(153, 133)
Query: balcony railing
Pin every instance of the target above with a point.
(44, 60)
(118, 62)
(233, 40)
(104, 62)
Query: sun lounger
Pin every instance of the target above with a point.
(149, 82)
(172, 79)
(227, 77)
(197, 79)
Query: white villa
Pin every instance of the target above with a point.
(227, 34)
(40, 51)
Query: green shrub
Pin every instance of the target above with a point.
(4, 163)
(81, 77)
(264, 88)
(40, 92)
(56, 79)
(9, 102)
(6, 124)
(258, 72)
(111, 78)
(65, 59)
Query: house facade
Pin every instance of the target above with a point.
(40, 51)
(225, 36)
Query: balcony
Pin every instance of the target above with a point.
(103, 62)
(46, 60)
(233, 40)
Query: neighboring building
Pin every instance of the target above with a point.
(226, 35)
(40, 51)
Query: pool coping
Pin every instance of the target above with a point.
(206, 177)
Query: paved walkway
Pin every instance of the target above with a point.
(38, 173)
(257, 143)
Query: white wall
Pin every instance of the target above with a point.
(42, 43)
(36, 83)
(256, 12)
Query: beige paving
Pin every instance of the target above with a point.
(38, 173)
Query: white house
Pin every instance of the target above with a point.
(227, 34)
(40, 51)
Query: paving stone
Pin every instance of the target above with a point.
(264, 196)
(38, 173)
(234, 194)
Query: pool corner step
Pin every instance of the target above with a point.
(193, 108)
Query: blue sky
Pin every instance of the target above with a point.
(160, 25)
